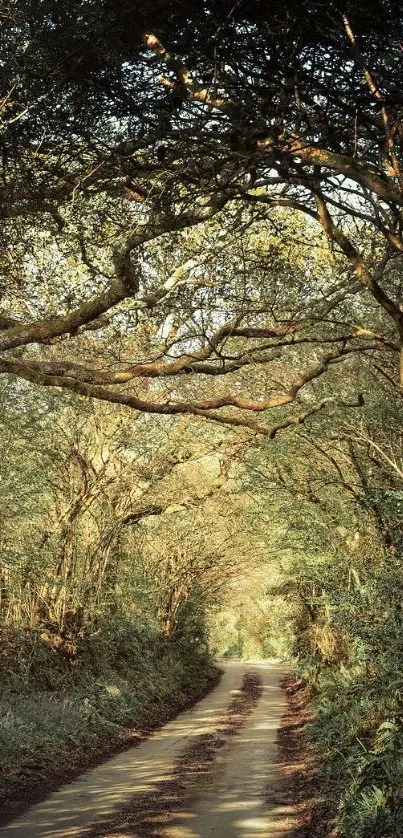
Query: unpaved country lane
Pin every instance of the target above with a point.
(97, 793)
(232, 803)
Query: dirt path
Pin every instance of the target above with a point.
(226, 800)
(235, 799)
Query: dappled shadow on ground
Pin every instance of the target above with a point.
(217, 786)
(229, 817)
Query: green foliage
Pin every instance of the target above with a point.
(342, 576)
(258, 626)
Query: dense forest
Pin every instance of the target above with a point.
(201, 333)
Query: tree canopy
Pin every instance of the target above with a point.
(129, 129)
